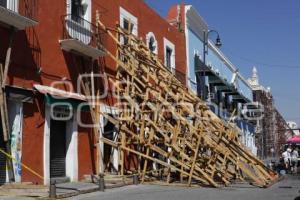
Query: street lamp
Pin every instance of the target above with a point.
(218, 43)
(199, 79)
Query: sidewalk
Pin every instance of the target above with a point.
(63, 190)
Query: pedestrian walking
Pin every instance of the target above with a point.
(294, 160)
(287, 158)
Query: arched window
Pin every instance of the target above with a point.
(151, 42)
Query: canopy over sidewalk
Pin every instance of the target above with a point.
(295, 139)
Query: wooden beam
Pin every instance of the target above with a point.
(184, 131)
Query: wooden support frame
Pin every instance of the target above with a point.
(171, 124)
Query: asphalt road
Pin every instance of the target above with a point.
(287, 189)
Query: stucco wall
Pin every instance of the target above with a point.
(38, 47)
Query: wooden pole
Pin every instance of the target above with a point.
(8, 56)
(194, 162)
(144, 80)
(6, 129)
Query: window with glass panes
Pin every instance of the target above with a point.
(169, 57)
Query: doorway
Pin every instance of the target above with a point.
(3, 3)
(109, 157)
(57, 148)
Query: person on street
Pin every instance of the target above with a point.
(287, 158)
(294, 160)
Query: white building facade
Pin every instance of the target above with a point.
(225, 90)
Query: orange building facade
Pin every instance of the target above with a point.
(45, 46)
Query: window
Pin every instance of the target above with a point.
(128, 25)
(10, 4)
(168, 57)
(77, 11)
(128, 21)
(80, 10)
(79, 16)
(151, 42)
(169, 48)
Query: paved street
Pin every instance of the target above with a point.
(287, 189)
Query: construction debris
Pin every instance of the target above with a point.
(168, 130)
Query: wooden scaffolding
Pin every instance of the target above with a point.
(172, 134)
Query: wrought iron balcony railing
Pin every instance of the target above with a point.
(25, 8)
(85, 37)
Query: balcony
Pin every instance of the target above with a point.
(19, 14)
(221, 77)
(81, 37)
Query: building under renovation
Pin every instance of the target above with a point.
(95, 87)
(43, 56)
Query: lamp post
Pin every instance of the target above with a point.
(201, 79)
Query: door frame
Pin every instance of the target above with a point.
(71, 145)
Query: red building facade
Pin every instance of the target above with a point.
(52, 45)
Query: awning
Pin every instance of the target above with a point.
(295, 139)
(19, 94)
(57, 96)
(216, 80)
(59, 93)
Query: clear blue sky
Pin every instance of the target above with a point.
(261, 33)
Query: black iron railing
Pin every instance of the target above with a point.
(26, 8)
(75, 27)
